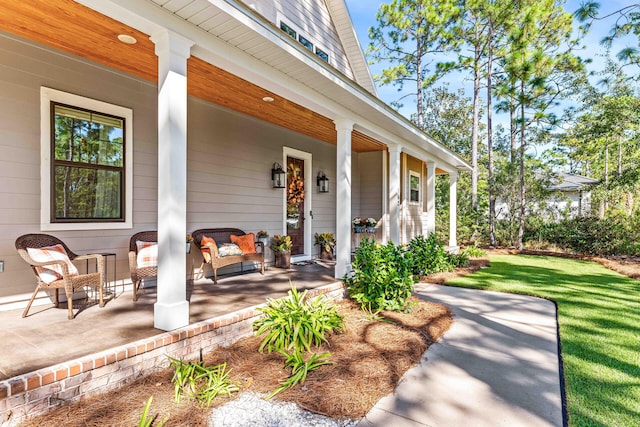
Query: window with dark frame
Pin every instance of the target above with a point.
(87, 171)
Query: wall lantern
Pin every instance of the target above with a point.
(278, 176)
(323, 182)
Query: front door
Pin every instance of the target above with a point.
(295, 204)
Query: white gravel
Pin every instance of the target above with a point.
(250, 409)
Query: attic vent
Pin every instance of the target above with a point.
(305, 41)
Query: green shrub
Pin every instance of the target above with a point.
(382, 277)
(145, 419)
(615, 234)
(200, 382)
(474, 251)
(458, 260)
(293, 322)
(299, 368)
(428, 256)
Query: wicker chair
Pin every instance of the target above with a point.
(137, 274)
(67, 282)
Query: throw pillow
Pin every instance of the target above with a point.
(147, 254)
(51, 273)
(229, 249)
(246, 243)
(209, 248)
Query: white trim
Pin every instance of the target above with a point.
(308, 193)
(46, 96)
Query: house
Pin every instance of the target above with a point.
(570, 196)
(126, 115)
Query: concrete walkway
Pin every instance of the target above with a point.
(497, 366)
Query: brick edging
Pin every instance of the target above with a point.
(39, 392)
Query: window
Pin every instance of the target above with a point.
(322, 55)
(87, 174)
(86, 163)
(306, 43)
(305, 40)
(287, 29)
(414, 187)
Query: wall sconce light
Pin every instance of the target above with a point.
(323, 182)
(278, 176)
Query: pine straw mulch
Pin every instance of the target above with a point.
(368, 360)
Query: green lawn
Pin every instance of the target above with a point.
(599, 316)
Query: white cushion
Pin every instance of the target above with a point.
(51, 273)
(147, 254)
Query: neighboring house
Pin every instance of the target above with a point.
(178, 111)
(571, 196)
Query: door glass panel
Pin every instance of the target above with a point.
(295, 204)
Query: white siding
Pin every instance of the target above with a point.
(312, 17)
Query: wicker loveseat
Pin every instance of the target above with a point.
(221, 237)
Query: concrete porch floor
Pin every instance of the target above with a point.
(46, 337)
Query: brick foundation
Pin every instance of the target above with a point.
(38, 392)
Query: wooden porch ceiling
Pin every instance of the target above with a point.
(73, 28)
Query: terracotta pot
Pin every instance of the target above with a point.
(283, 259)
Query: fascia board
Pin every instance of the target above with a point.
(150, 18)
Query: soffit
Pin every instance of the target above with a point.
(81, 31)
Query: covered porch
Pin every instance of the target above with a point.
(46, 338)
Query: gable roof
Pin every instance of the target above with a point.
(571, 181)
(344, 26)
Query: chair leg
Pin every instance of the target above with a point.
(136, 285)
(215, 275)
(262, 269)
(57, 298)
(26, 310)
(70, 305)
(100, 292)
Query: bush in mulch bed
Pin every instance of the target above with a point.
(368, 360)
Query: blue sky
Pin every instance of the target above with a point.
(363, 16)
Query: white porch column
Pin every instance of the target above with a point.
(453, 208)
(344, 128)
(394, 194)
(431, 198)
(171, 310)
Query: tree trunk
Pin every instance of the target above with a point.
(619, 156)
(492, 197)
(513, 131)
(522, 188)
(606, 177)
(474, 136)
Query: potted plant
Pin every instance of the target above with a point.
(327, 242)
(358, 224)
(281, 247)
(263, 237)
(370, 225)
(189, 240)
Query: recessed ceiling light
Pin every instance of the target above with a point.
(268, 99)
(127, 39)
